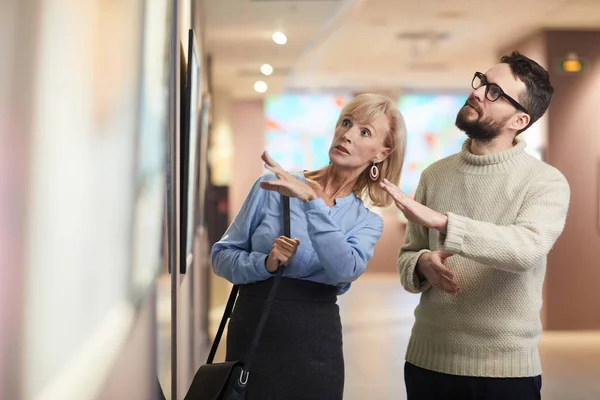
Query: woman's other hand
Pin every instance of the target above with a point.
(281, 253)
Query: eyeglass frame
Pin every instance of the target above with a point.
(484, 82)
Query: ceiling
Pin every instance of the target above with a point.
(362, 45)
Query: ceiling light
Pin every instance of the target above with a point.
(266, 69)
(279, 38)
(260, 86)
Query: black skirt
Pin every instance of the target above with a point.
(299, 356)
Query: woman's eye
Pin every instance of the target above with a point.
(346, 122)
(365, 133)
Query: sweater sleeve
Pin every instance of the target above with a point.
(232, 256)
(517, 247)
(416, 243)
(344, 257)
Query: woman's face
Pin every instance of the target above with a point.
(356, 144)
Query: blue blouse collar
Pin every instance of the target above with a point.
(339, 201)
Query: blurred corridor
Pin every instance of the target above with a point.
(131, 132)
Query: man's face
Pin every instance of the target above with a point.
(482, 119)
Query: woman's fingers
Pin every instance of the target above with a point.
(267, 159)
(269, 162)
(286, 244)
(282, 256)
(285, 248)
(274, 185)
(270, 168)
(291, 242)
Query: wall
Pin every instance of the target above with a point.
(248, 128)
(534, 47)
(221, 157)
(385, 256)
(128, 379)
(77, 307)
(242, 122)
(19, 29)
(574, 148)
(572, 144)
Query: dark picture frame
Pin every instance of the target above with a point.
(190, 112)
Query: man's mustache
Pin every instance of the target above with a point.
(473, 104)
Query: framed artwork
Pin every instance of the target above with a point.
(429, 119)
(189, 152)
(299, 128)
(202, 175)
(151, 152)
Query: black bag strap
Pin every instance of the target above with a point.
(269, 303)
(266, 310)
(226, 315)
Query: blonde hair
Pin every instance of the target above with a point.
(368, 107)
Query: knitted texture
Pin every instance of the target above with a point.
(505, 211)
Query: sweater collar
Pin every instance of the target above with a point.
(494, 158)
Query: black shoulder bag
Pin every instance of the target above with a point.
(228, 380)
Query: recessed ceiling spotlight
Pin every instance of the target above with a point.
(266, 69)
(260, 86)
(279, 38)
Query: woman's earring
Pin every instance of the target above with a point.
(374, 172)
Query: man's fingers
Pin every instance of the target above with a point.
(448, 279)
(450, 284)
(385, 185)
(443, 270)
(393, 191)
(445, 279)
(444, 255)
(447, 285)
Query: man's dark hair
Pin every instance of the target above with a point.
(538, 89)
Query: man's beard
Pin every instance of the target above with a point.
(482, 130)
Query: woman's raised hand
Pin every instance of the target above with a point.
(286, 183)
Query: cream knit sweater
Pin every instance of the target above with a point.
(505, 211)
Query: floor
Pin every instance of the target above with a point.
(377, 315)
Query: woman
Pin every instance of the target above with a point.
(300, 352)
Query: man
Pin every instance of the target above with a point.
(480, 228)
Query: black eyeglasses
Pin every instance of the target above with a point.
(493, 91)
